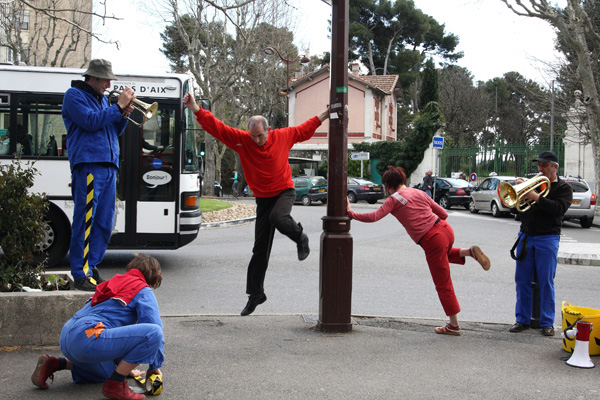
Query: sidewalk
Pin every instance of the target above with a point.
(284, 357)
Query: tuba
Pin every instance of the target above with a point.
(513, 196)
(148, 110)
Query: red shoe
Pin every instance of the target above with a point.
(449, 330)
(45, 368)
(120, 391)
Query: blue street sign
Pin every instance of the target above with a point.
(438, 142)
(473, 177)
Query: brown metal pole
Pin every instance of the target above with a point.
(335, 287)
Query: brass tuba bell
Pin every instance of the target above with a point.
(513, 196)
(148, 110)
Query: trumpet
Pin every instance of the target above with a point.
(514, 196)
(148, 110)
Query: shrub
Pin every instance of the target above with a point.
(21, 226)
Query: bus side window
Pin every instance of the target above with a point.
(40, 124)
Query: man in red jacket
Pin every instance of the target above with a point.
(264, 156)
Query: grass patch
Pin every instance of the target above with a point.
(208, 205)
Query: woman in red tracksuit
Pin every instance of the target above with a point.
(425, 222)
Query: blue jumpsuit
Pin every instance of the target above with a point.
(133, 333)
(93, 129)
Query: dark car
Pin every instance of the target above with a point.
(362, 189)
(310, 188)
(451, 192)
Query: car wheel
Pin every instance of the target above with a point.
(324, 201)
(352, 197)
(495, 210)
(306, 201)
(517, 217)
(57, 237)
(466, 206)
(371, 201)
(444, 203)
(586, 222)
(472, 208)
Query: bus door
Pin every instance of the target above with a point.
(148, 184)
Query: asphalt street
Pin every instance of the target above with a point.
(389, 277)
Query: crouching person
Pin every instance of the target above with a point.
(118, 329)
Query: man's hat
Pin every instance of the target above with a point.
(102, 69)
(546, 156)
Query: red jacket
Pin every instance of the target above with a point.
(266, 168)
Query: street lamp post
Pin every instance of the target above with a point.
(272, 50)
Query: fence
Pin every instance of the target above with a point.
(503, 159)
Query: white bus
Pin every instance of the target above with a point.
(157, 186)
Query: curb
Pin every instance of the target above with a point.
(232, 222)
(579, 259)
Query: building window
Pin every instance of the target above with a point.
(25, 21)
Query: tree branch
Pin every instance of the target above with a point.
(51, 13)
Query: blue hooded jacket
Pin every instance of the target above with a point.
(93, 128)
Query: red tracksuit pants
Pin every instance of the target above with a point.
(437, 244)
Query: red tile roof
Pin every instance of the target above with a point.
(385, 83)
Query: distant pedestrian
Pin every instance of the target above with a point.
(537, 251)
(117, 329)
(234, 187)
(425, 222)
(428, 182)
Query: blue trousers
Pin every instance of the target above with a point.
(100, 214)
(542, 257)
(95, 358)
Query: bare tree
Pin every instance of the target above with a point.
(221, 43)
(50, 32)
(582, 36)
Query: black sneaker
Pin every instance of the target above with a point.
(303, 249)
(84, 284)
(96, 276)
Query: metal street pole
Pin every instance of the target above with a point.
(335, 281)
(287, 93)
(552, 120)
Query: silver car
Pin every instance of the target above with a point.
(584, 202)
(485, 196)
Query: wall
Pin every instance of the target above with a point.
(579, 157)
(430, 161)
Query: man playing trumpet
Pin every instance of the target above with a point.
(537, 250)
(93, 130)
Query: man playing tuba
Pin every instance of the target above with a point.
(537, 250)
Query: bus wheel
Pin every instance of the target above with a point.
(57, 238)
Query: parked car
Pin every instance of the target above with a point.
(451, 192)
(310, 188)
(584, 202)
(362, 189)
(485, 196)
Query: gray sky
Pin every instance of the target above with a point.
(493, 39)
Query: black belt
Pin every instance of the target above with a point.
(434, 224)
